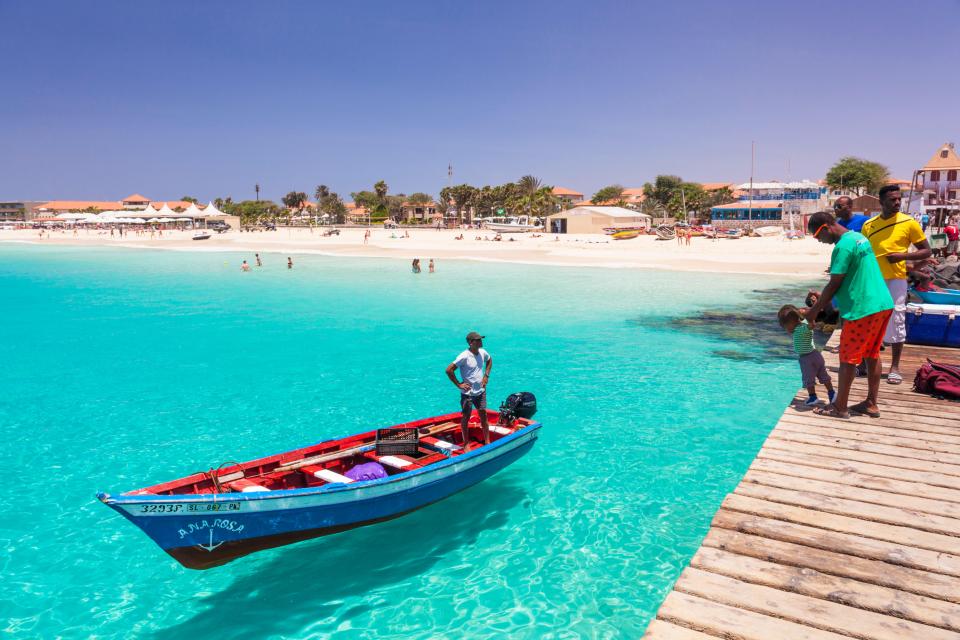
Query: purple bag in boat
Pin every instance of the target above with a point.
(367, 471)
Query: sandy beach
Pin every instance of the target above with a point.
(803, 258)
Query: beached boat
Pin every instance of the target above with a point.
(943, 296)
(201, 235)
(612, 230)
(513, 224)
(210, 518)
(732, 234)
(626, 234)
(768, 231)
(666, 233)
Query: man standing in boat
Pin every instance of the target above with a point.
(474, 364)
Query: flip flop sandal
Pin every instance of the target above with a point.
(859, 408)
(830, 411)
(894, 378)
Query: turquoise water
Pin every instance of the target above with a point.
(122, 369)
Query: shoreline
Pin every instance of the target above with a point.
(750, 256)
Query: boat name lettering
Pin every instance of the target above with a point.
(217, 523)
(161, 508)
(214, 506)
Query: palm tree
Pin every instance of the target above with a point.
(529, 185)
(322, 192)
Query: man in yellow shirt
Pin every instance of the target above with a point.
(891, 234)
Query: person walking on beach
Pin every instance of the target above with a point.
(891, 234)
(259, 262)
(244, 266)
(865, 305)
(366, 236)
(843, 209)
(474, 364)
(812, 366)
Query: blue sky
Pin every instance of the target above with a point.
(101, 99)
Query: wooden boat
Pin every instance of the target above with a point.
(612, 230)
(732, 234)
(626, 234)
(666, 233)
(209, 518)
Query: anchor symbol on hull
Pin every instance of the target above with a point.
(210, 546)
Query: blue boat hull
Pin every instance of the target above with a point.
(207, 530)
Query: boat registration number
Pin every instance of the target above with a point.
(190, 508)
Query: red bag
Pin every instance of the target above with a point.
(938, 379)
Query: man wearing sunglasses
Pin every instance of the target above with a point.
(865, 306)
(474, 364)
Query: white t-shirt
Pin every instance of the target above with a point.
(471, 369)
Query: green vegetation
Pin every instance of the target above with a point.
(613, 193)
(859, 175)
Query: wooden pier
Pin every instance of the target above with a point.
(840, 529)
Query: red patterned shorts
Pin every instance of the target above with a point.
(862, 338)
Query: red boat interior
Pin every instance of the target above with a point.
(436, 439)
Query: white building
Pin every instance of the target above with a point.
(940, 184)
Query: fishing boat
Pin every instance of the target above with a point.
(612, 230)
(626, 234)
(941, 296)
(211, 517)
(768, 231)
(513, 224)
(732, 234)
(665, 232)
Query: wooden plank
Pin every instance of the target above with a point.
(861, 494)
(900, 405)
(856, 479)
(933, 585)
(860, 445)
(733, 623)
(878, 426)
(929, 472)
(864, 510)
(820, 614)
(662, 630)
(849, 544)
(822, 426)
(809, 582)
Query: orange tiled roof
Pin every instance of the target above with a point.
(715, 186)
(637, 191)
(945, 158)
(563, 191)
(70, 205)
(136, 198)
(420, 204)
(902, 183)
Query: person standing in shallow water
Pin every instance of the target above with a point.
(259, 263)
(244, 266)
(474, 365)
(289, 263)
(431, 265)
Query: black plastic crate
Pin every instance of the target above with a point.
(402, 441)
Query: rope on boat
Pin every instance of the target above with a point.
(214, 475)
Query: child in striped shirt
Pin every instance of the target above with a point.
(812, 366)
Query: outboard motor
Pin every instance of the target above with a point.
(522, 404)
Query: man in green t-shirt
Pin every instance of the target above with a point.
(865, 305)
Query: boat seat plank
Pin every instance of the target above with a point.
(436, 443)
(504, 431)
(328, 475)
(395, 462)
(246, 486)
